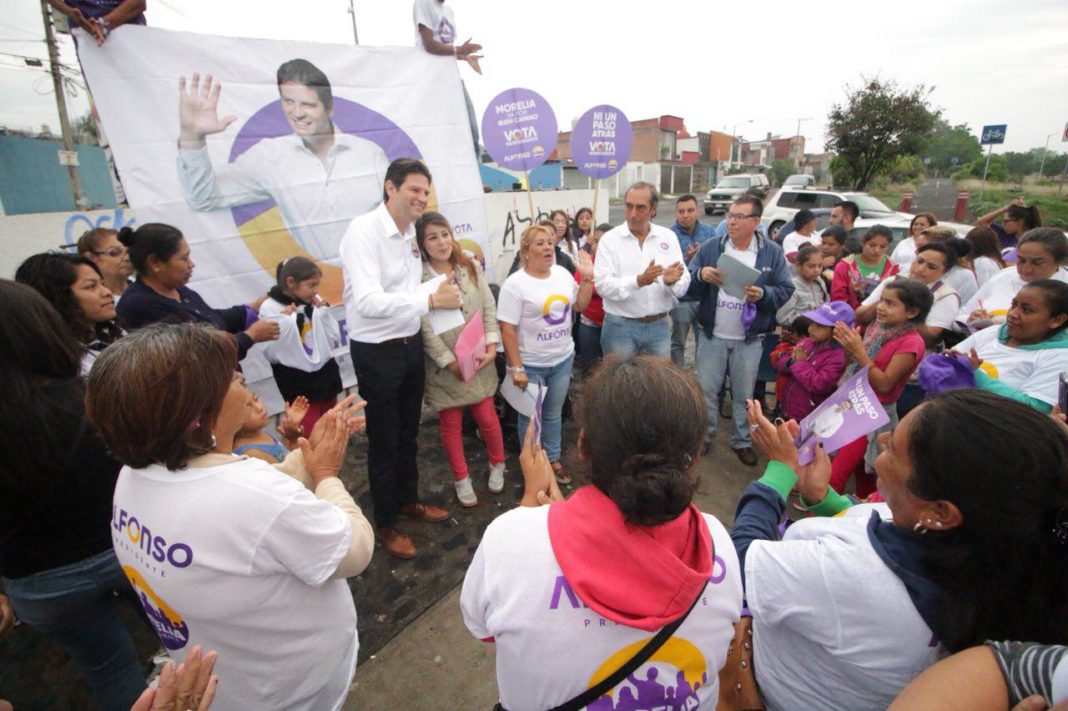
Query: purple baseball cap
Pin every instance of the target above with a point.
(831, 313)
(940, 372)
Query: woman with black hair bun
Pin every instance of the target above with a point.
(75, 287)
(971, 544)
(161, 257)
(582, 584)
(1017, 219)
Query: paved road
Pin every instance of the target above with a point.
(937, 196)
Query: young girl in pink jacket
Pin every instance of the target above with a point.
(817, 362)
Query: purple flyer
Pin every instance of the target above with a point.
(852, 412)
(600, 141)
(519, 129)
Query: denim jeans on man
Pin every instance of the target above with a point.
(627, 336)
(718, 355)
(558, 378)
(75, 605)
(683, 320)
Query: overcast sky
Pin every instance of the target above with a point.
(714, 64)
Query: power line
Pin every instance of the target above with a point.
(20, 29)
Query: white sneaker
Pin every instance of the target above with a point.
(496, 478)
(466, 493)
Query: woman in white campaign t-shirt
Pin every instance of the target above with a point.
(1024, 357)
(1040, 255)
(848, 609)
(223, 551)
(570, 592)
(534, 310)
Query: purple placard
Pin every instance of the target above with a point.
(519, 129)
(850, 413)
(600, 141)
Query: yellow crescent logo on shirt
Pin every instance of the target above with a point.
(680, 654)
(561, 315)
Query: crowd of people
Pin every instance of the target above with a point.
(142, 466)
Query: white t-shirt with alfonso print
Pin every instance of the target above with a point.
(551, 647)
(436, 16)
(541, 309)
(238, 558)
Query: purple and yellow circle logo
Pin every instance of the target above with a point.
(556, 309)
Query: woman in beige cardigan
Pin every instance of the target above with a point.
(446, 392)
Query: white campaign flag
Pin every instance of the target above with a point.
(256, 194)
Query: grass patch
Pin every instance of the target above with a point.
(891, 193)
(1043, 194)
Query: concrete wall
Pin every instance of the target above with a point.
(33, 181)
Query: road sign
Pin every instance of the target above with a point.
(953, 160)
(1064, 136)
(993, 135)
(69, 158)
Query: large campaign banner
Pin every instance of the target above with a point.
(277, 152)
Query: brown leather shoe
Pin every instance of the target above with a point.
(425, 512)
(396, 543)
(747, 456)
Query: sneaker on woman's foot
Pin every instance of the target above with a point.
(562, 477)
(496, 478)
(466, 493)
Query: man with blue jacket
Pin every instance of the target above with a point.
(692, 233)
(730, 335)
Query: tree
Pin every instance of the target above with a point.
(877, 124)
(84, 130)
(783, 168)
(947, 143)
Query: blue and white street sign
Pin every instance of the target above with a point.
(993, 135)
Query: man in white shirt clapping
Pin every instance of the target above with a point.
(640, 275)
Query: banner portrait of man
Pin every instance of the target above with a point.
(273, 147)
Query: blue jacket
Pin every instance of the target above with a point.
(774, 279)
(702, 232)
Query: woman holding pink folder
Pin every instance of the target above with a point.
(447, 390)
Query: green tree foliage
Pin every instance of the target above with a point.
(84, 130)
(998, 172)
(947, 143)
(783, 168)
(878, 123)
(906, 169)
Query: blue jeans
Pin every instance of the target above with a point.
(683, 317)
(626, 336)
(589, 345)
(75, 605)
(558, 378)
(714, 357)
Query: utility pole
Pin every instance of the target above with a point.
(1045, 149)
(68, 156)
(352, 13)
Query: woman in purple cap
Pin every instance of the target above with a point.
(817, 362)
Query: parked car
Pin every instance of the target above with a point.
(800, 180)
(898, 222)
(731, 187)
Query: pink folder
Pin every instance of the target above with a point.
(470, 346)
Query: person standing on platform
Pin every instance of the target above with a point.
(692, 233)
(640, 276)
(383, 307)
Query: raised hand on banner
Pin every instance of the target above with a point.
(198, 111)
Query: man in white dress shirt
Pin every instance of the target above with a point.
(319, 177)
(639, 275)
(383, 306)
